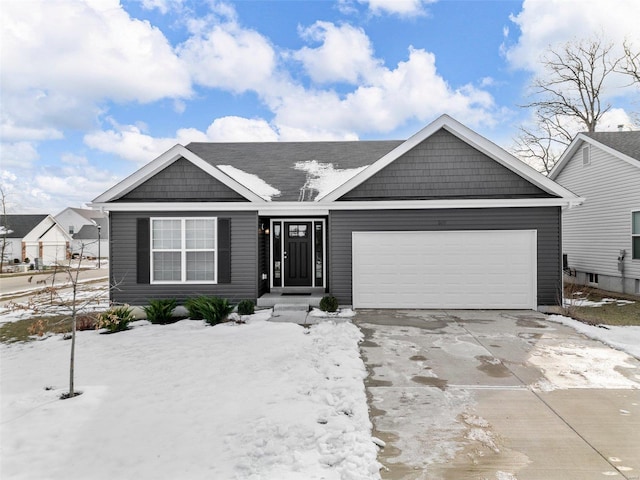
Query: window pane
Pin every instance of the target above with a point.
(166, 266)
(166, 234)
(635, 254)
(635, 229)
(200, 266)
(200, 233)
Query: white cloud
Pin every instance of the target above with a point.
(224, 55)
(239, 129)
(52, 190)
(10, 132)
(346, 53)
(398, 7)
(60, 60)
(21, 154)
(545, 23)
(413, 90)
(131, 143)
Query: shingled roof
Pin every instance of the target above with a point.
(624, 142)
(275, 162)
(19, 226)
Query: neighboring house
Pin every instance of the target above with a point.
(445, 219)
(34, 237)
(602, 238)
(82, 224)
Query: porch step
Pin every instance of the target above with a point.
(290, 307)
(272, 299)
(290, 313)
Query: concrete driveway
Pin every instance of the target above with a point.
(498, 395)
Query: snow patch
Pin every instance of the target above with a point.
(579, 366)
(251, 181)
(625, 338)
(259, 400)
(583, 302)
(323, 177)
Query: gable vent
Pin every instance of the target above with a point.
(586, 155)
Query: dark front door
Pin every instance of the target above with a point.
(297, 254)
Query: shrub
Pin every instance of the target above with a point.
(85, 322)
(246, 307)
(329, 303)
(116, 319)
(161, 311)
(212, 310)
(194, 307)
(216, 310)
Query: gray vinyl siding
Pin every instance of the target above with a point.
(182, 181)
(595, 232)
(443, 166)
(546, 220)
(244, 260)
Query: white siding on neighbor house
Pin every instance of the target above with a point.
(593, 234)
(13, 249)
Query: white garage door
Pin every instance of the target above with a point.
(490, 269)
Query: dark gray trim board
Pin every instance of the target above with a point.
(546, 220)
(237, 237)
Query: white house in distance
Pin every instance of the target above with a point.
(602, 237)
(34, 237)
(82, 225)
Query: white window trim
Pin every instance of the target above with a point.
(183, 252)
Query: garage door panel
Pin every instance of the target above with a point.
(449, 269)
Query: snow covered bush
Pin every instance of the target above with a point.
(246, 307)
(329, 303)
(116, 319)
(161, 311)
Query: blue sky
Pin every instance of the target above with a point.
(94, 89)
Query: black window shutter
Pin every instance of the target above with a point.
(143, 254)
(224, 250)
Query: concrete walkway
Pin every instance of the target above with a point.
(498, 395)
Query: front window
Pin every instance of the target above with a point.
(183, 250)
(635, 235)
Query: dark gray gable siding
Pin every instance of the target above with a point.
(546, 220)
(182, 181)
(443, 166)
(124, 276)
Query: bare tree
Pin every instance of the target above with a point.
(568, 98)
(631, 64)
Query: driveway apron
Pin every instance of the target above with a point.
(498, 395)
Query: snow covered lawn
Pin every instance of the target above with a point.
(257, 401)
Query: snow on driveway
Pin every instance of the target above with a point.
(256, 401)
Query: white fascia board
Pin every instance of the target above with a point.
(576, 143)
(161, 162)
(466, 135)
(313, 209)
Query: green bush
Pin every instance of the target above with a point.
(161, 311)
(246, 307)
(329, 303)
(212, 310)
(194, 307)
(116, 319)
